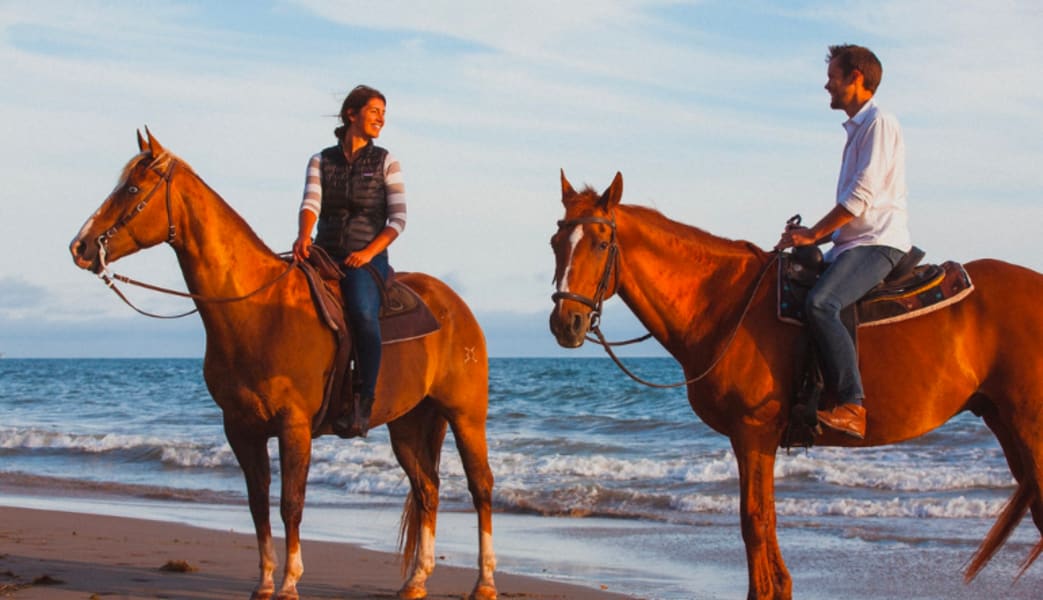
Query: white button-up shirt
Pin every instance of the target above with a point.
(872, 183)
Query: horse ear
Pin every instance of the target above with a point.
(614, 193)
(566, 187)
(154, 147)
(142, 145)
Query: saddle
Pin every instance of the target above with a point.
(909, 291)
(403, 316)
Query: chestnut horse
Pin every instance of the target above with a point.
(268, 355)
(711, 303)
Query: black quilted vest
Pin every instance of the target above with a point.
(354, 200)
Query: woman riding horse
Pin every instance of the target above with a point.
(355, 191)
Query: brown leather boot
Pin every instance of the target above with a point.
(849, 419)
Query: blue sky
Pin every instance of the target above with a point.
(713, 111)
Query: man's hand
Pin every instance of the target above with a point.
(796, 236)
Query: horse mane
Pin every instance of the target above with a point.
(703, 242)
(163, 162)
(160, 163)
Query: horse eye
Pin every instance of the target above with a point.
(603, 245)
(132, 189)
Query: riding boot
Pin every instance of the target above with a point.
(354, 423)
(363, 409)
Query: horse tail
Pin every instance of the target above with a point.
(1009, 518)
(409, 534)
(1031, 559)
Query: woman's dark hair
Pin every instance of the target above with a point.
(850, 57)
(353, 103)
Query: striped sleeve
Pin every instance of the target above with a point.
(396, 193)
(313, 186)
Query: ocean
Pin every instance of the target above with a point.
(599, 481)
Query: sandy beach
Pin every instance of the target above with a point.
(58, 555)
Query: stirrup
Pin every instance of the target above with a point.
(358, 423)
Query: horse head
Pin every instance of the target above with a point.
(586, 255)
(135, 215)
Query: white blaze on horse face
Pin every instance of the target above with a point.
(574, 239)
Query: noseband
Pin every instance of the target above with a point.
(103, 239)
(611, 261)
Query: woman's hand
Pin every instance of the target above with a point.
(302, 248)
(358, 258)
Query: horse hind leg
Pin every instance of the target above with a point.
(416, 439)
(469, 432)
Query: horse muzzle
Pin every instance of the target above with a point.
(85, 255)
(569, 327)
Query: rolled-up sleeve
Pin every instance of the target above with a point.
(395, 188)
(312, 200)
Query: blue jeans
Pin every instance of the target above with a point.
(848, 278)
(362, 305)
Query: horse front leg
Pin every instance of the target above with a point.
(416, 439)
(252, 453)
(755, 453)
(294, 461)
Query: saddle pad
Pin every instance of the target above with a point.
(404, 315)
(936, 287)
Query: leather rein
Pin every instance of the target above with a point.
(596, 304)
(110, 278)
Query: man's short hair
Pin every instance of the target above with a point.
(850, 57)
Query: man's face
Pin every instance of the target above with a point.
(842, 90)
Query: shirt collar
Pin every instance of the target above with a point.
(860, 117)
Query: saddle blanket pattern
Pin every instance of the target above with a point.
(930, 288)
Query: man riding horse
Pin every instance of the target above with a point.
(868, 225)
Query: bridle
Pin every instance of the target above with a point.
(103, 239)
(597, 301)
(110, 278)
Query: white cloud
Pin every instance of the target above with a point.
(714, 113)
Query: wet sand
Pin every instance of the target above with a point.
(57, 555)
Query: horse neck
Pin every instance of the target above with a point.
(685, 285)
(220, 255)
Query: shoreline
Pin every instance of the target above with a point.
(59, 555)
(109, 545)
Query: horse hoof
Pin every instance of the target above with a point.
(259, 594)
(483, 592)
(412, 592)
